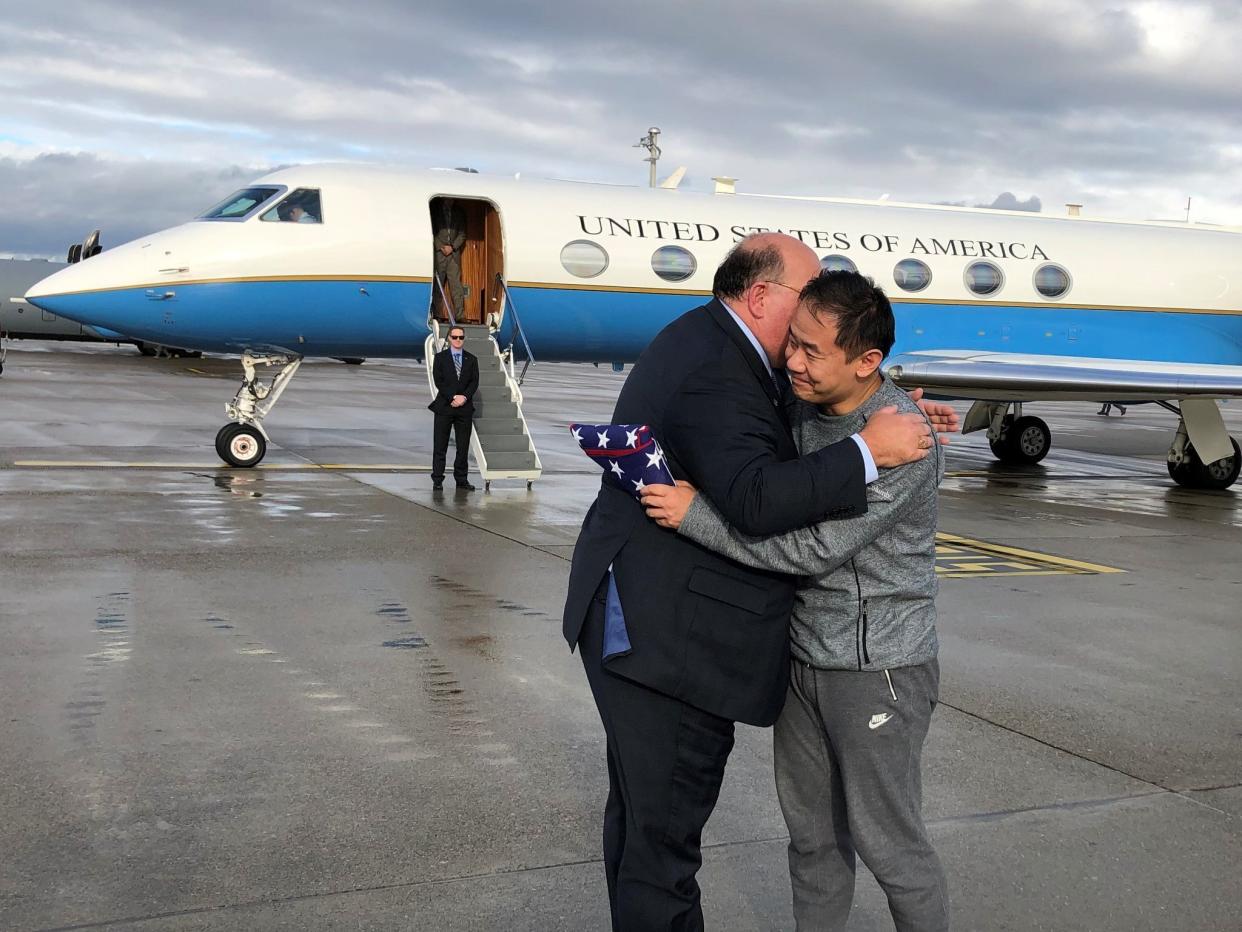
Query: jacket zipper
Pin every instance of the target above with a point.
(860, 645)
(866, 656)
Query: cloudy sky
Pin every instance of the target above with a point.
(132, 117)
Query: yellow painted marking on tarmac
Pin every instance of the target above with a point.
(961, 557)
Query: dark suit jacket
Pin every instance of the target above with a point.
(448, 383)
(704, 629)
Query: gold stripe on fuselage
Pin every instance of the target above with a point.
(579, 286)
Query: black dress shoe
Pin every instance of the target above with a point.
(437, 485)
(465, 487)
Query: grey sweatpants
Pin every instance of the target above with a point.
(847, 747)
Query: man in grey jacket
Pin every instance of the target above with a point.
(864, 677)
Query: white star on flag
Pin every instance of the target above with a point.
(627, 453)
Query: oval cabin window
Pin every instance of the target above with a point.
(1052, 281)
(837, 264)
(911, 275)
(584, 258)
(984, 278)
(673, 263)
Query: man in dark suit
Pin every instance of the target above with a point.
(708, 638)
(456, 374)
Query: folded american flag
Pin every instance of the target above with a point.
(630, 457)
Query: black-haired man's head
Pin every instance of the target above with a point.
(841, 332)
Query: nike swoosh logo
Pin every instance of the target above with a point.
(878, 720)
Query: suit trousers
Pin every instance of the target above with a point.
(448, 271)
(460, 424)
(666, 761)
(848, 748)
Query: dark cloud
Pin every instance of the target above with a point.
(56, 199)
(1082, 100)
(1007, 201)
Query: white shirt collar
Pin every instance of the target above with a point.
(754, 341)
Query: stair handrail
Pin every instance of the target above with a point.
(445, 301)
(518, 330)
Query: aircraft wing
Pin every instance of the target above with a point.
(1026, 377)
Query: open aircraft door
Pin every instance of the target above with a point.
(475, 223)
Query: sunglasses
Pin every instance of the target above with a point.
(452, 337)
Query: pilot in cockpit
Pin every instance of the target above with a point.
(299, 214)
(302, 206)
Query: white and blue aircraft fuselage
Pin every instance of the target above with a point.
(1000, 307)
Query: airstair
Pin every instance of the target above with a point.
(501, 441)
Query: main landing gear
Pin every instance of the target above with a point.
(1024, 440)
(243, 442)
(1186, 466)
(1016, 438)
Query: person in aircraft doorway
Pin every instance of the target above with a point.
(450, 237)
(456, 375)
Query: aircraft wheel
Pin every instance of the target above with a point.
(1025, 441)
(222, 438)
(1193, 473)
(240, 445)
(1030, 439)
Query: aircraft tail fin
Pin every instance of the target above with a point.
(673, 180)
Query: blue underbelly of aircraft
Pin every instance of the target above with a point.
(388, 319)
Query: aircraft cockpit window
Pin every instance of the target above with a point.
(673, 263)
(837, 264)
(1052, 281)
(239, 205)
(984, 278)
(911, 275)
(583, 258)
(302, 206)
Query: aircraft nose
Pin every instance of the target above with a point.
(74, 293)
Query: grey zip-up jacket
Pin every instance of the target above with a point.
(867, 601)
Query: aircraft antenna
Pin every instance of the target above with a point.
(648, 142)
(1188, 210)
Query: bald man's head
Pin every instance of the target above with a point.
(760, 280)
(759, 257)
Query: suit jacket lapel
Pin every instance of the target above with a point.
(720, 314)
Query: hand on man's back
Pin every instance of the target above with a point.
(895, 438)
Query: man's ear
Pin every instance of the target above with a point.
(755, 295)
(868, 362)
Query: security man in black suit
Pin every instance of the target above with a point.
(708, 636)
(456, 374)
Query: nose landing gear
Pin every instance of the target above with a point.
(243, 442)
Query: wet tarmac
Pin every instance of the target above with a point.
(326, 698)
